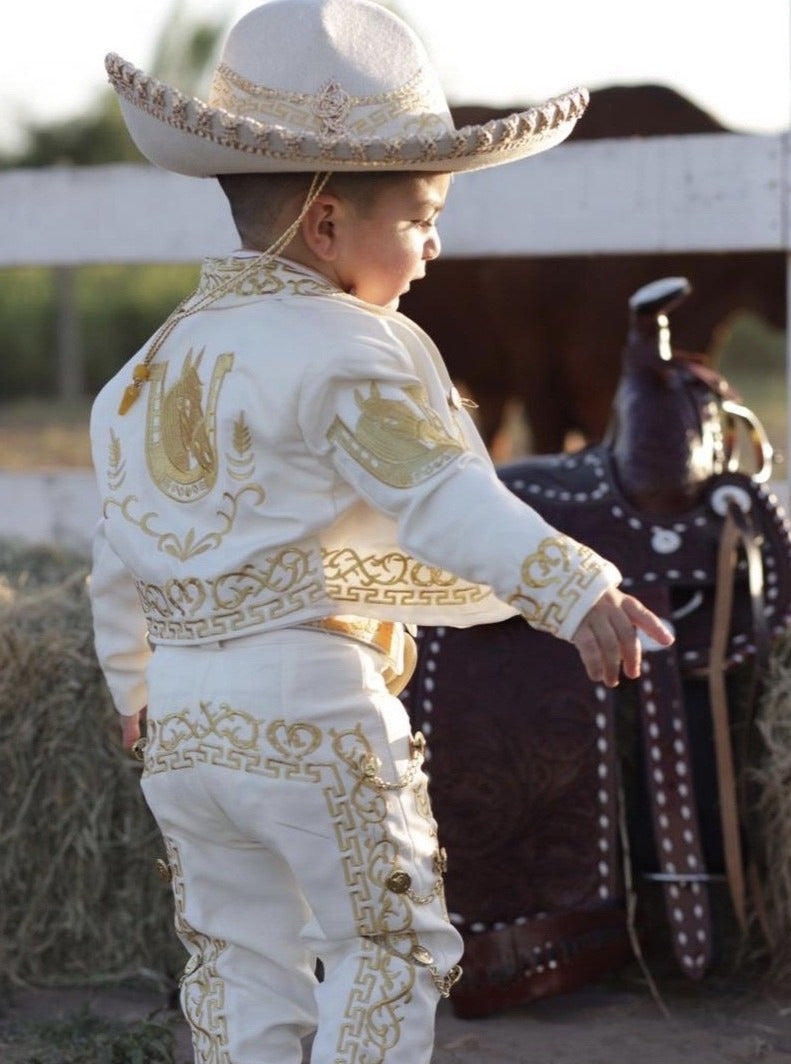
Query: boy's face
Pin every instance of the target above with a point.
(385, 246)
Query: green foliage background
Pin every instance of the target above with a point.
(118, 308)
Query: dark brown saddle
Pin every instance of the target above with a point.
(524, 766)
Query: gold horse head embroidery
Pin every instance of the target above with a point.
(403, 430)
(181, 428)
(184, 432)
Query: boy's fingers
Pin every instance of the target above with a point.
(130, 731)
(641, 617)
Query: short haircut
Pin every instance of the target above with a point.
(258, 200)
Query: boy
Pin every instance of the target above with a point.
(289, 478)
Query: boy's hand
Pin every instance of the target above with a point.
(607, 637)
(130, 728)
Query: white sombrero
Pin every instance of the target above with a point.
(320, 85)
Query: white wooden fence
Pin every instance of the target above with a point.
(703, 193)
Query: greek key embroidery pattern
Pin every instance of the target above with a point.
(191, 608)
(331, 112)
(202, 989)
(567, 568)
(394, 579)
(381, 891)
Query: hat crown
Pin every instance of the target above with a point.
(316, 66)
(313, 86)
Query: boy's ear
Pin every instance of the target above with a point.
(320, 226)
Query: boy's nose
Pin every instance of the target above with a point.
(433, 246)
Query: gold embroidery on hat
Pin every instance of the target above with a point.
(332, 106)
(401, 442)
(567, 568)
(181, 428)
(331, 112)
(512, 140)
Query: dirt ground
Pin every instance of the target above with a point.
(613, 1022)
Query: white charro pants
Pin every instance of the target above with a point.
(291, 798)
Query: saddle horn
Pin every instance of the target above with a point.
(650, 306)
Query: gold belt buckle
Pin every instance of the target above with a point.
(389, 637)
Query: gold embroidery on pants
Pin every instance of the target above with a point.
(400, 442)
(230, 738)
(372, 1020)
(552, 565)
(382, 894)
(358, 801)
(202, 988)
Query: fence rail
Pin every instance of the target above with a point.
(702, 193)
(711, 192)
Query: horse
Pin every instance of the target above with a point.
(508, 330)
(524, 766)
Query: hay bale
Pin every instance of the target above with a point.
(771, 779)
(81, 900)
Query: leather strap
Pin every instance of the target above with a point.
(671, 789)
(737, 531)
(546, 955)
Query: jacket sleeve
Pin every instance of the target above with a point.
(404, 452)
(120, 635)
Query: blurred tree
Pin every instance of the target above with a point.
(182, 56)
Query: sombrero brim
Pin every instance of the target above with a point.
(184, 134)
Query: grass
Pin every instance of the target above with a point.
(37, 434)
(82, 1037)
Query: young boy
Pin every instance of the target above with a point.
(289, 478)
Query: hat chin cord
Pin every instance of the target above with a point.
(142, 372)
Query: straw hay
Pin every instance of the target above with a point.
(81, 900)
(771, 779)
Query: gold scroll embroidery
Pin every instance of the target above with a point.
(181, 447)
(394, 579)
(183, 549)
(271, 277)
(401, 442)
(190, 608)
(358, 802)
(568, 572)
(202, 988)
(331, 111)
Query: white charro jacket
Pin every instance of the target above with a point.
(297, 453)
